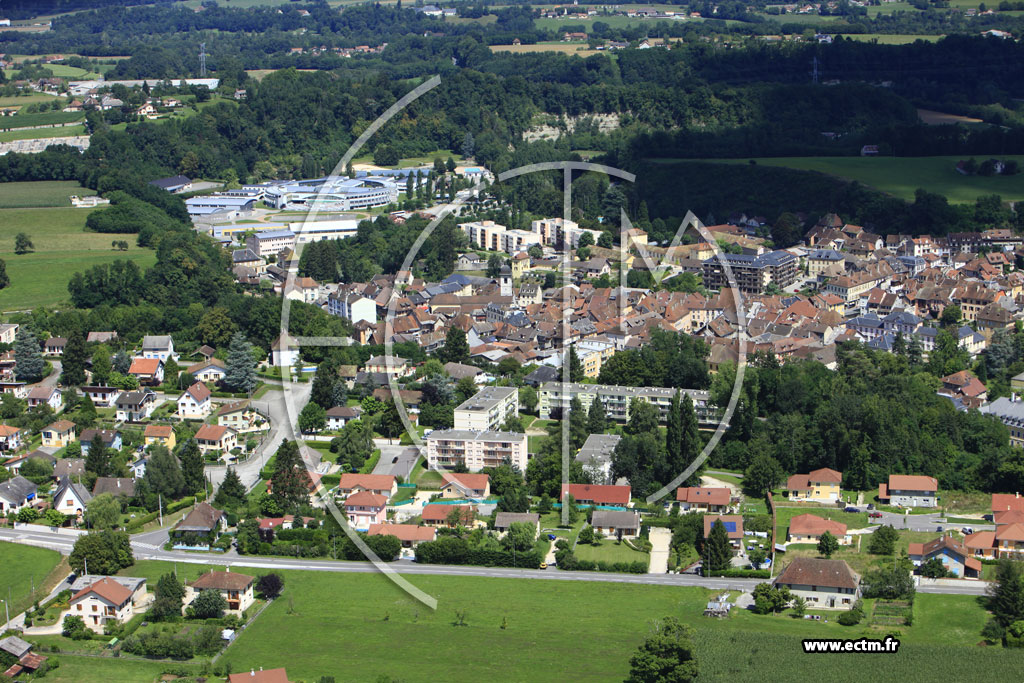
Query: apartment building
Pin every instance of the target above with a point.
(558, 232)
(616, 399)
(487, 409)
(752, 273)
(476, 449)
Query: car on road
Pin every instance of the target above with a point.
(938, 528)
(543, 565)
(394, 460)
(967, 531)
(850, 508)
(874, 514)
(552, 537)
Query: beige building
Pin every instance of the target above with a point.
(616, 399)
(476, 449)
(824, 584)
(236, 589)
(105, 600)
(487, 409)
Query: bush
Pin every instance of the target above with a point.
(851, 618)
(269, 586)
(74, 627)
(741, 573)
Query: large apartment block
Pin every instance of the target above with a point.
(616, 399)
(753, 273)
(558, 232)
(451, 447)
(496, 237)
(487, 409)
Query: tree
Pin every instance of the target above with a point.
(643, 417)
(465, 388)
(717, 551)
(290, 481)
(98, 459)
(528, 398)
(951, 315)
(456, 348)
(494, 264)
(73, 361)
(322, 391)
(828, 544)
(54, 517)
(240, 368)
(934, 569)
(73, 627)
(101, 367)
(883, 540)
(390, 424)
(209, 604)
(231, 492)
(23, 243)
(514, 500)
(354, 445)
(762, 475)
(575, 366)
(106, 552)
(216, 327)
(192, 466)
(687, 446)
(269, 586)
(520, 537)
(468, 145)
(1006, 593)
(122, 363)
(768, 599)
(103, 512)
(168, 596)
(5, 279)
(535, 251)
(312, 418)
(597, 421)
(757, 557)
(665, 657)
(28, 360)
(163, 473)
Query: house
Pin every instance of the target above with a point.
(503, 520)
(210, 370)
(138, 467)
(808, 528)
(162, 435)
(954, 555)
(115, 486)
(54, 346)
(733, 527)
(213, 438)
(592, 494)
(380, 484)
(48, 396)
(411, 535)
(437, 514)
(100, 337)
(820, 485)
(339, 416)
(149, 371)
(200, 527)
(703, 499)
(618, 524)
(13, 465)
(102, 397)
(364, 508)
(178, 183)
(1002, 502)
(135, 406)
(25, 661)
(59, 434)
(160, 346)
(68, 467)
(111, 439)
(10, 438)
(261, 676)
(195, 402)
(824, 584)
(71, 498)
(393, 365)
(465, 485)
(283, 354)
(239, 416)
(15, 494)
(107, 600)
(236, 589)
(909, 490)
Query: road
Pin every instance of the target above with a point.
(149, 550)
(274, 405)
(930, 522)
(404, 458)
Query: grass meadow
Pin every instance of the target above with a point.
(23, 567)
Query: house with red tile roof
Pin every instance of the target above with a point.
(436, 514)
(954, 555)
(263, 675)
(733, 527)
(824, 584)
(909, 490)
(103, 602)
(465, 485)
(808, 528)
(981, 544)
(216, 438)
(411, 535)
(703, 499)
(149, 371)
(821, 486)
(1007, 501)
(236, 589)
(594, 494)
(195, 402)
(381, 484)
(364, 508)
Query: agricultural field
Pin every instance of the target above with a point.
(23, 567)
(23, 100)
(62, 248)
(36, 133)
(891, 38)
(901, 176)
(46, 118)
(46, 193)
(370, 618)
(578, 49)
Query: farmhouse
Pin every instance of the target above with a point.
(824, 584)
(236, 589)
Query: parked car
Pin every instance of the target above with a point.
(938, 528)
(850, 508)
(967, 531)
(871, 506)
(552, 537)
(874, 514)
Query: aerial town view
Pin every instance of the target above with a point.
(396, 342)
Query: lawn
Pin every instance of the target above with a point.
(62, 248)
(384, 632)
(890, 38)
(901, 176)
(75, 669)
(21, 568)
(22, 100)
(36, 133)
(853, 520)
(578, 49)
(46, 193)
(610, 551)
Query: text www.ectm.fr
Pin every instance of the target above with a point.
(889, 644)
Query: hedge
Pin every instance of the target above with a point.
(741, 573)
(451, 550)
(142, 521)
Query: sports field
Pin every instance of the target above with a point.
(901, 176)
(62, 248)
(359, 627)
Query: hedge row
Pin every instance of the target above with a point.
(451, 550)
(741, 573)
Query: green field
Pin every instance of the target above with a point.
(891, 38)
(382, 631)
(901, 176)
(62, 248)
(21, 568)
(610, 551)
(22, 100)
(46, 118)
(47, 193)
(36, 133)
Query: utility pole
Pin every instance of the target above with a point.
(160, 499)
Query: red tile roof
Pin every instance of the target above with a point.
(980, 540)
(709, 521)
(700, 494)
(1010, 532)
(373, 482)
(810, 571)
(210, 432)
(813, 525)
(222, 581)
(159, 431)
(912, 482)
(144, 366)
(473, 482)
(261, 676)
(106, 588)
(404, 532)
(1007, 501)
(437, 512)
(600, 494)
(199, 391)
(1009, 517)
(366, 499)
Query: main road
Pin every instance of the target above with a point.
(64, 539)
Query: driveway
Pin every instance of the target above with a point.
(397, 461)
(660, 539)
(929, 522)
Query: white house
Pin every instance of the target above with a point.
(339, 416)
(135, 406)
(158, 346)
(46, 396)
(106, 600)
(195, 402)
(283, 355)
(16, 493)
(208, 370)
(71, 498)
